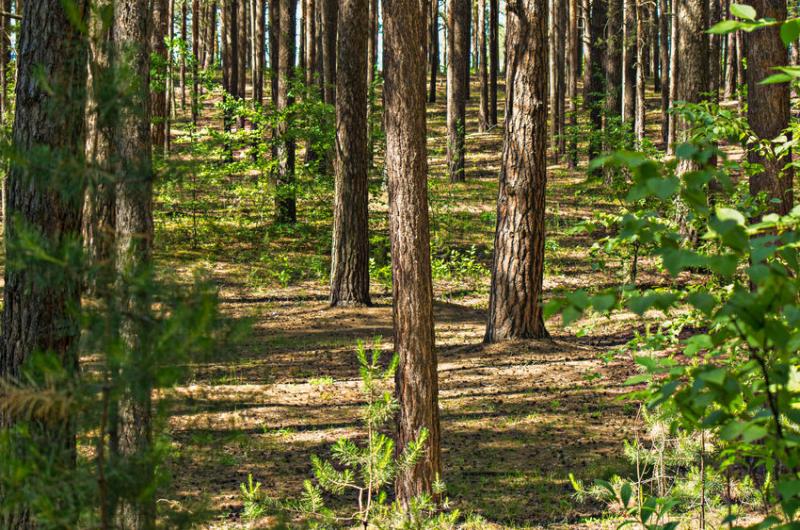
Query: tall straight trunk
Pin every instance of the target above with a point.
(417, 386)
(372, 44)
(480, 30)
(596, 71)
(134, 237)
(98, 218)
(44, 197)
(196, 40)
(629, 55)
(641, 60)
(184, 35)
(741, 54)
(654, 21)
(664, 66)
(675, 32)
(274, 45)
(614, 58)
(330, 10)
(557, 71)
(285, 202)
(310, 23)
(714, 50)
(259, 35)
(494, 58)
(433, 49)
(230, 64)
(573, 65)
(158, 96)
(515, 297)
(768, 110)
(730, 63)
(350, 254)
(587, 41)
(210, 38)
(458, 46)
(169, 111)
(241, 51)
(5, 44)
(468, 47)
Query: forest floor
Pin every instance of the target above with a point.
(517, 418)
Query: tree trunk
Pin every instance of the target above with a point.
(480, 30)
(641, 59)
(741, 53)
(372, 45)
(458, 46)
(588, 41)
(468, 54)
(556, 71)
(675, 31)
(158, 96)
(42, 299)
(230, 63)
(494, 58)
(407, 169)
(573, 62)
(714, 16)
(434, 49)
(285, 202)
(664, 52)
(614, 58)
(184, 35)
(629, 41)
(768, 110)
(515, 298)
(196, 40)
(134, 236)
(730, 63)
(654, 21)
(330, 10)
(310, 23)
(350, 255)
(259, 25)
(596, 71)
(241, 52)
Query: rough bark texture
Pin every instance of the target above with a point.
(158, 95)
(134, 236)
(458, 48)
(311, 41)
(641, 60)
(184, 35)
(350, 255)
(515, 299)
(629, 61)
(407, 169)
(714, 49)
(98, 220)
(330, 9)
(285, 203)
(596, 73)
(433, 49)
(674, 53)
(556, 74)
(372, 44)
(730, 64)
(41, 302)
(483, 71)
(664, 53)
(768, 110)
(494, 58)
(614, 58)
(259, 24)
(573, 65)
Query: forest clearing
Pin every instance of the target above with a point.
(399, 264)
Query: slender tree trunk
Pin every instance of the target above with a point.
(241, 52)
(259, 35)
(596, 71)
(664, 52)
(134, 236)
(768, 110)
(196, 40)
(494, 58)
(714, 50)
(588, 39)
(372, 44)
(730, 62)
(557, 71)
(48, 134)
(350, 255)
(5, 43)
(573, 64)
(629, 41)
(654, 46)
(434, 49)
(330, 10)
(184, 35)
(675, 33)
(515, 298)
(741, 53)
(467, 48)
(641, 59)
(406, 165)
(310, 23)
(285, 202)
(480, 30)
(158, 96)
(458, 45)
(614, 58)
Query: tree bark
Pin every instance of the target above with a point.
(480, 29)
(350, 255)
(675, 31)
(184, 35)
(196, 40)
(372, 44)
(310, 23)
(494, 58)
(641, 59)
(458, 45)
(629, 51)
(614, 58)
(596, 73)
(407, 168)
(158, 95)
(730, 62)
(714, 48)
(434, 49)
(134, 236)
(259, 24)
(285, 202)
(330, 10)
(573, 63)
(768, 111)
(241, 51)
(44, 192)
(515, 298)
(664, 52)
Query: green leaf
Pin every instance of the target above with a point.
(790, 30)
(715, 376)
(775, 79)
(753, 433)
(625, 493)
(703, 302)
(725, 26)
(743, 11)
(725, 214)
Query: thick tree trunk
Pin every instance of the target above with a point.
(515, 298)
(614, 58)
(458, 46)
(768, 110)
(285, 202)
(98, 220)
(494, 58)
(434, 49)
(330, 9)
(596, 73)
(629, 51)
(664, 62)
(134, 247)
(158, 95)
(350, 255)
(48, 135)
(407, 168)
(480, 30)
